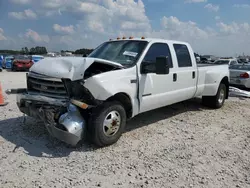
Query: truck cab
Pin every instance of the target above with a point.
(120, 79)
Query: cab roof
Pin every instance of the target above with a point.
(151, 40)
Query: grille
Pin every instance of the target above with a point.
(51, 87)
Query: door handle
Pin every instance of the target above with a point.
(193, 74)
(174, 77)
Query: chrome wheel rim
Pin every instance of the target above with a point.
(221, 96)
(112, 123)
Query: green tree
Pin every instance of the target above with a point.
(26, 50)
(23, 51)
(32, 51)
(83, 51)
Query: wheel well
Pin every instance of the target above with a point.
(124, 99)
(226, 82)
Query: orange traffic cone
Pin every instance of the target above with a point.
(2, 103)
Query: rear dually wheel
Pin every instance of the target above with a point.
(218, 100)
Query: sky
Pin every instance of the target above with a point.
(218, 27)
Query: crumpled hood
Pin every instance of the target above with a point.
(67, 67)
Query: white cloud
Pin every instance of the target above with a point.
(195, 1)
(212, 7)
(99, 20)
(2, 37)
(217, 17)
(21, 1)
(53, 4)
(234, 36)
(241, 5)
(174, 28)
(234, 28)
(35, 37)
(26, 14)
(63, 29)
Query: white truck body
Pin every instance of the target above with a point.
(184, 80)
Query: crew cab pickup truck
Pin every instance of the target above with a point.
(93, 97)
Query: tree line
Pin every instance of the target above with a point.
(41, 50)
(38, 50)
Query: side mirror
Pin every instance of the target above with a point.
(161, 65)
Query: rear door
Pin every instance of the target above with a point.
(186, 74)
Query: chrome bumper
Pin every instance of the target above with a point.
(69, 127)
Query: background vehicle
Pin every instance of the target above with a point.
(117, 81)
(226, 62)
(21, 62)
(1, 60)
(36, 58)
(209, 58)
(240, 75)
(7, 62)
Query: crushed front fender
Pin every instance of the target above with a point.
(62, 119)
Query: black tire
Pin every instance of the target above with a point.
(96, 129)
(216, 101)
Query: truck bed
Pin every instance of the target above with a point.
(206, 64)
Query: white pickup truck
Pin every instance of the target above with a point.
(92, 97)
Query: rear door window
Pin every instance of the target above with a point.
(183, 55)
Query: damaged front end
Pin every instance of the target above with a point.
(65, 116)
(59, 98)
(62, 119)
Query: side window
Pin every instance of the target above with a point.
(233, 63)
(157, 50)
(183, 56)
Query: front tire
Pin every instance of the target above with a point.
(218, 100)
(107, 123)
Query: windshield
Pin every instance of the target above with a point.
(125, 52)
(240, 67)
(220, 62)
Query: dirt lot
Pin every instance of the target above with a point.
(184, 145)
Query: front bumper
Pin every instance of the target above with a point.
(62, 119)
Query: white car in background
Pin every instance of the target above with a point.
(226, 61)
(240, 75)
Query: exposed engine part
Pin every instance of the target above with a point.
(77, 91)
(98, 68)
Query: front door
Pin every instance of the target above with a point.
(156, 90)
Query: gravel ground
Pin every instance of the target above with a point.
(183, 145)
